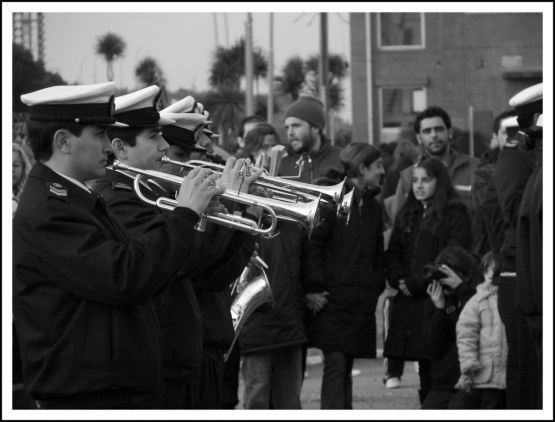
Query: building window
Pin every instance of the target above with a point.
(401, 31)
(398, 107)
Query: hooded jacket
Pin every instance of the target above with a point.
(481, 340)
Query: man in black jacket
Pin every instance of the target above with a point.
(212, 290)
(140, 145)
(83, 290)
(310, 153)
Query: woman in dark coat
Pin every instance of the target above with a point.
(432, 218)
(345, 278)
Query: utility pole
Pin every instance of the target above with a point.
(270, 116)
(323, 78)
(248, 65)
(226, 31)
(216, 39)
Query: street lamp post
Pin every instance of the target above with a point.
(249, 65)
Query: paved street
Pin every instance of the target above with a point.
(369, 391)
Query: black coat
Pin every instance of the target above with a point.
(512, 170)
(321, 162)
(178, 309)
(442, 338)
(283, 325)
(347, 261)
(410, 248)
(83, 290)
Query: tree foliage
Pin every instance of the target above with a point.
(148, 72)
(111, 46)
(226, 100)
(29, 75)
(299, 76)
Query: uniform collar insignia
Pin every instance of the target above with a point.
(57, 189)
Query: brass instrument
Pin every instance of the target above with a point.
(252, 290)
(289, 190)
(305, 213)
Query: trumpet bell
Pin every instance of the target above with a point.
(255, 294)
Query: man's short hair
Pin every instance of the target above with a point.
(126, 134)
(432, 111)
(41, 134)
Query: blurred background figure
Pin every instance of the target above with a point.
(488, 219)
(21, 166)
(258, 144)
(244, 127)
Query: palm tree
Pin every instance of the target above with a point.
(337, 72)
(292, 78)
(148, 72)
(226, 100)
(111, 46)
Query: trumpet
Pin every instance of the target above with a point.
(289, 190)
(305, 213)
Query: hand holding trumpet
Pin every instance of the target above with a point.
(197, 190)
(238, 174)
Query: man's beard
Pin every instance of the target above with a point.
(307, 142)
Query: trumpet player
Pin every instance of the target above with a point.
(225, 254)
(83, 287)
(137, 142)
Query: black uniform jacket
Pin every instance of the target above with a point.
(347, 260)
(83, 290)
(216, 259)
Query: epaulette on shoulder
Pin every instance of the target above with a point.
(57, 190)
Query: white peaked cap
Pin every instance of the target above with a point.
(527, 96)
(190, 121)
(184, 105)
(140, 100)
(71, 94)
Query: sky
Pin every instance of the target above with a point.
(182, 43)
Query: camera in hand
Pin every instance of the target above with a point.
(432, 272)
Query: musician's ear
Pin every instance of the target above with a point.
(120, 148)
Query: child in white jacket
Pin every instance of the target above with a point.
(482, 345)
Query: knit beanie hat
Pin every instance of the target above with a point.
(309, 109)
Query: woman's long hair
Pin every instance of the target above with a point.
(254, 139)
(444, 196)
(25, 160)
